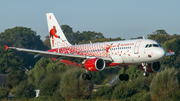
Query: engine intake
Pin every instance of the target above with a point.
(152, 67)
(95, 64)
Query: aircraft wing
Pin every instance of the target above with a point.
(170, 53)
(58, 56)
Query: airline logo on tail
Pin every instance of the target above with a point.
(56, 35)
(52, 34)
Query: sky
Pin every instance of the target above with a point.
(114, 18)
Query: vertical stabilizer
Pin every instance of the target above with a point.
(57, 37)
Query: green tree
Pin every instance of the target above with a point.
(173, 45)
(147, 97)
(70, 35)
(100, 40)
(15, 77)
(24, 38)
(9, 61)
(87, 36)
(45, 67)
(38, 73)
(73, 87)
(164, 84)
(123, 90)
(57, 95)
(4, 91)
(103, 93)
(47, 42)
(49, 85)
(25, 90)
(140, 37)
(161, 36)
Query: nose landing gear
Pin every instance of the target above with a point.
(145, 74)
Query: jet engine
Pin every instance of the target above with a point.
(152, 67)
(95, 64)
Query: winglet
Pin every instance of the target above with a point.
(6, 47)
(170, 51)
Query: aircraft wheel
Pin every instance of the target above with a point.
(126, 77)
(121, 77)
(89, 77)
(145, 74)
(84, 76)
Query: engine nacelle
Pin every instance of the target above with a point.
(95, 64)
(152, 67)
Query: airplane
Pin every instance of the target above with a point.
(96, 56)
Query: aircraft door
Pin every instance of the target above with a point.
(136, 47)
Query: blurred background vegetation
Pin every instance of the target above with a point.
(58, 82)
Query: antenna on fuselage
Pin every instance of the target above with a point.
(90, 42)
(143, 37)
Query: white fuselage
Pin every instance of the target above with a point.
(122, 52)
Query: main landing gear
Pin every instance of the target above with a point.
(145, 74)
(124, 76)
(87, 76)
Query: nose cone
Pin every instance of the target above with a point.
(161, 53)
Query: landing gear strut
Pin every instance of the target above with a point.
(145, 74)
(87, 76)
(124, 76)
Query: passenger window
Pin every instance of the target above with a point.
(150, 45)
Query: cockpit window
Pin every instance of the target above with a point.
(152, 45)
(155, 45)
